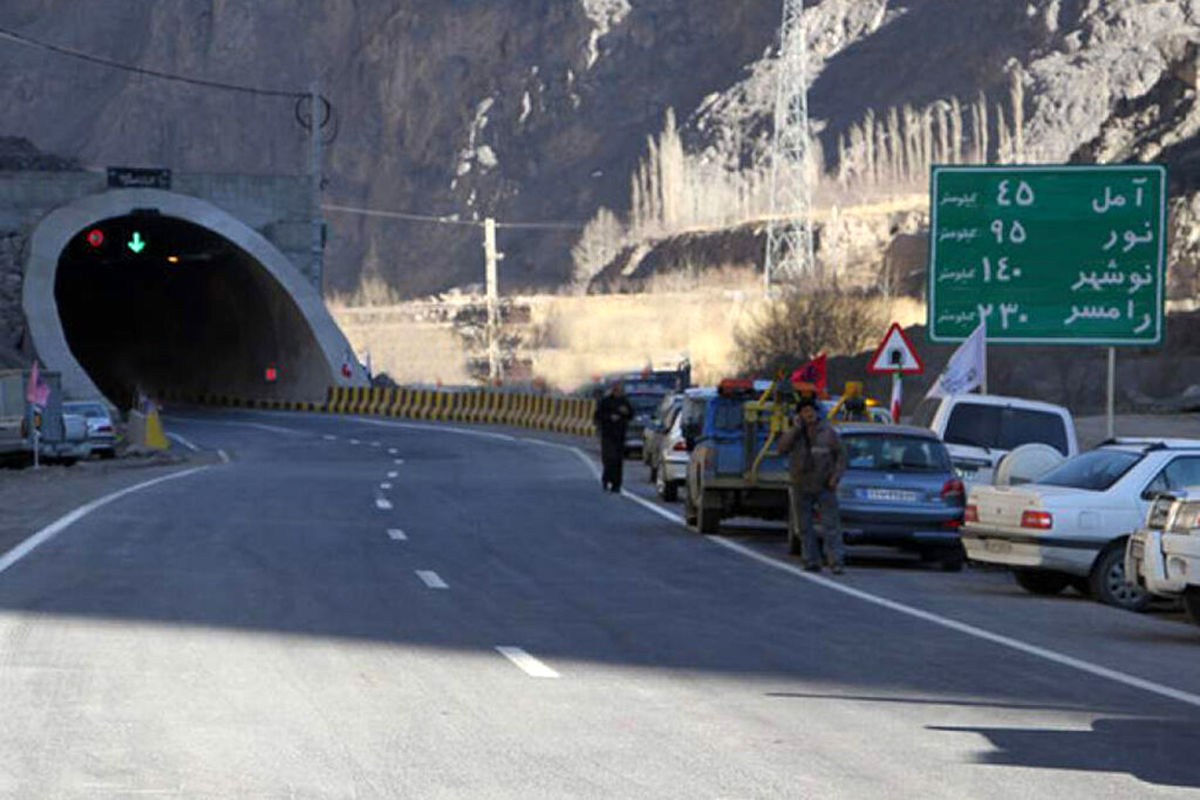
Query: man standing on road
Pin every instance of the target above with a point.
(817, 463)
(613, 413)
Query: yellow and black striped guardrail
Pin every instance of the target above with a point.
(468, 406)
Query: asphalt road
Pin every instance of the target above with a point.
(353, 608)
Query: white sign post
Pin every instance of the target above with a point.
(896, 356)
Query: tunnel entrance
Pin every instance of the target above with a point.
(162, 305)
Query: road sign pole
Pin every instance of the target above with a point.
(1112, 391)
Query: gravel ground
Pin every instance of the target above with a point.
(1093, 430)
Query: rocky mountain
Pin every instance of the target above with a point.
(539, 110)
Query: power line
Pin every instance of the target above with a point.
(27, 41)
(411, 217)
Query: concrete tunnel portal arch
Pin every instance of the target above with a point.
(149, 289)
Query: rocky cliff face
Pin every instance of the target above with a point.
(525, 109)
(536, 110)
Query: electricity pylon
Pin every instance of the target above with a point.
(790, 255)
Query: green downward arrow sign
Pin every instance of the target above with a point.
(136, 244)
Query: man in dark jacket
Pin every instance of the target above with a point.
(613, 413)
(818, 461)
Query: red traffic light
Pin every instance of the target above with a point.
(272, 374)
(95, 237)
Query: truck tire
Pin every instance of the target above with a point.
(1039, 582)
(1191, 603)
(1108, 581)
(708, 520)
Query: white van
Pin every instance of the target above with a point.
(1164, 556)
(980, 429)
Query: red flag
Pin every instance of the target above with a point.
(37, 392)
(814, 372)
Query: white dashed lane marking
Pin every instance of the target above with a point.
(432, 579)
(330, 437)
(526, 663)
(393, 474)
(383, 504)
(374, 444)
(397, 535)
(385, 486)
(355, 441)
(392, 451)
(399, 461)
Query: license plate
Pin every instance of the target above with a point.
(890, 495)
(998, 546)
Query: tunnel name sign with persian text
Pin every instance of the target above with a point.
(1048, 255)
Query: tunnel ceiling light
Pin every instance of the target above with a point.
(95, 237)
(137, 244)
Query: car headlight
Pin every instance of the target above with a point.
(1186, 519)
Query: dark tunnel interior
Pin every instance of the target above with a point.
(163, 305)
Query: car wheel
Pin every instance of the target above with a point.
(653, 474)
(953, 559)
(689, 508)
(669, 491)
(1043, 583)
(708, 520)
(1108, 584)
(1191, 603)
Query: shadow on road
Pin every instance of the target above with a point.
(933, 701)
(1149, 749)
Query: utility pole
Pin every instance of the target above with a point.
(790, 253)
(493, 299)
(315, 172)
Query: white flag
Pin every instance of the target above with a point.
(966, 369)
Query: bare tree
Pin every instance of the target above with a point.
(600, 242)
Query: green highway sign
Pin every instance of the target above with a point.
(1048, 255)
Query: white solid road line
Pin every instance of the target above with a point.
(393, 474)
(385, 486)
(383, 504)
(431, 579)
(397, 535)
(62, 523)
(183, 442)
(504, 437)
(527, 663)
(936, 619)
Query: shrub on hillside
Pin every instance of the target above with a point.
(805, 323)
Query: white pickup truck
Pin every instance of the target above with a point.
(980, 429)
(1163, 557)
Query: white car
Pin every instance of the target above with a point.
(672, 458)
(980, 429)
(1070, 527)
(1164, 556)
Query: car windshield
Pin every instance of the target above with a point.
(645, 403)
(1003, 427)
(1094, 472)
(89, 410)
(894, 453)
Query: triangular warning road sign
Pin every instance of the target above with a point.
(896, 354)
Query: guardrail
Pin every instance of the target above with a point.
(559, 414)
